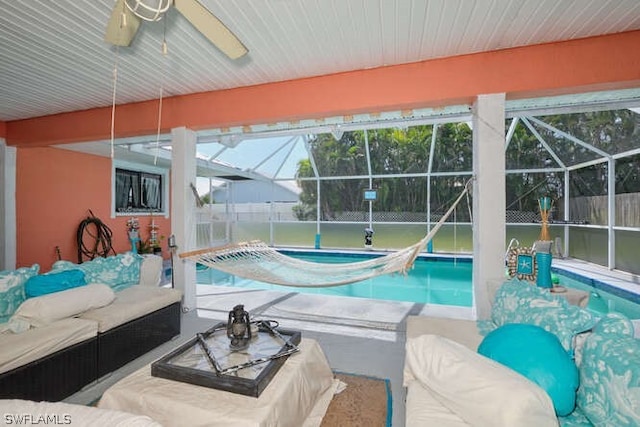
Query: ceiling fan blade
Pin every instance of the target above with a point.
(122, 25)
(211, 27)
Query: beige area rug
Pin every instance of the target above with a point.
(365, 402)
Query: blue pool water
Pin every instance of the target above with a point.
(604, 297)
(433, 280)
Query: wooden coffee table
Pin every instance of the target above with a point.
(298, 395)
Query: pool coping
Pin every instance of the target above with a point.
(618, 283)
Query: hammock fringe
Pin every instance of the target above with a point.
(256, 260)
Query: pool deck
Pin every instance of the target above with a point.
(349, 316)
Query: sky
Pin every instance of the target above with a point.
(258, 155)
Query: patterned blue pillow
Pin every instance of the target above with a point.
(609, 393)
(614, 323)
(118, 271)
(520, 302)
(575, 419)
(12, 283)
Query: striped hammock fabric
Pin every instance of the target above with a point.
(255, 260)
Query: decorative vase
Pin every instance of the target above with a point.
(543, 263)
(134, 238)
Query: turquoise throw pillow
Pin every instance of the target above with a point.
(54, 282)
(539, 356)
(12, 288)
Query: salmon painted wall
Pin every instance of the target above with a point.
(55, 190)
(597, 63)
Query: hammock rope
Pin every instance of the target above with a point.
(256, 260)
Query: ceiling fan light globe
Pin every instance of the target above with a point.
(149, 10)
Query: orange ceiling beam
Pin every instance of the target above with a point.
(595, 63)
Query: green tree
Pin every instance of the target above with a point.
(406, 151)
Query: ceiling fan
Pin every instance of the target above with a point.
(126, 15)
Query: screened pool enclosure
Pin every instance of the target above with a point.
(322, 183)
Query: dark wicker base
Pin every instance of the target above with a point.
(131, 340)
(59, 375)
(53, 377)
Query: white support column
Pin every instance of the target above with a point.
(7, 206)
(183, 175)
(489, 197)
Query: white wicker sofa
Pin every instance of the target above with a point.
(55, 344)
(450, 385)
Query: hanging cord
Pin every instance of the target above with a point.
(198, 200)
(113, 101)
(162, 76)
(123, 24)
(100, 235)
(535, 187)
(469, 183)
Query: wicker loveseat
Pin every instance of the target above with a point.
(55, 343)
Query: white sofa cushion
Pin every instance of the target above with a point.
(150, 270)
(423, 409)
(19, 349)
(130, 304)
(480, 391)
(46, 309)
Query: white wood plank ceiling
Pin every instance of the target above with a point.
(53, 58)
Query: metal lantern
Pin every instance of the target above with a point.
(238, 328)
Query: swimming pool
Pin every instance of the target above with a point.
(604, 297)
(433, 280)
(441, 280)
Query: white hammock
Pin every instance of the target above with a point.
(255, 260)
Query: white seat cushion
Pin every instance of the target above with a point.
(132, 303)
(19, 349)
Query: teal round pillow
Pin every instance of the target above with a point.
(539, 356)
